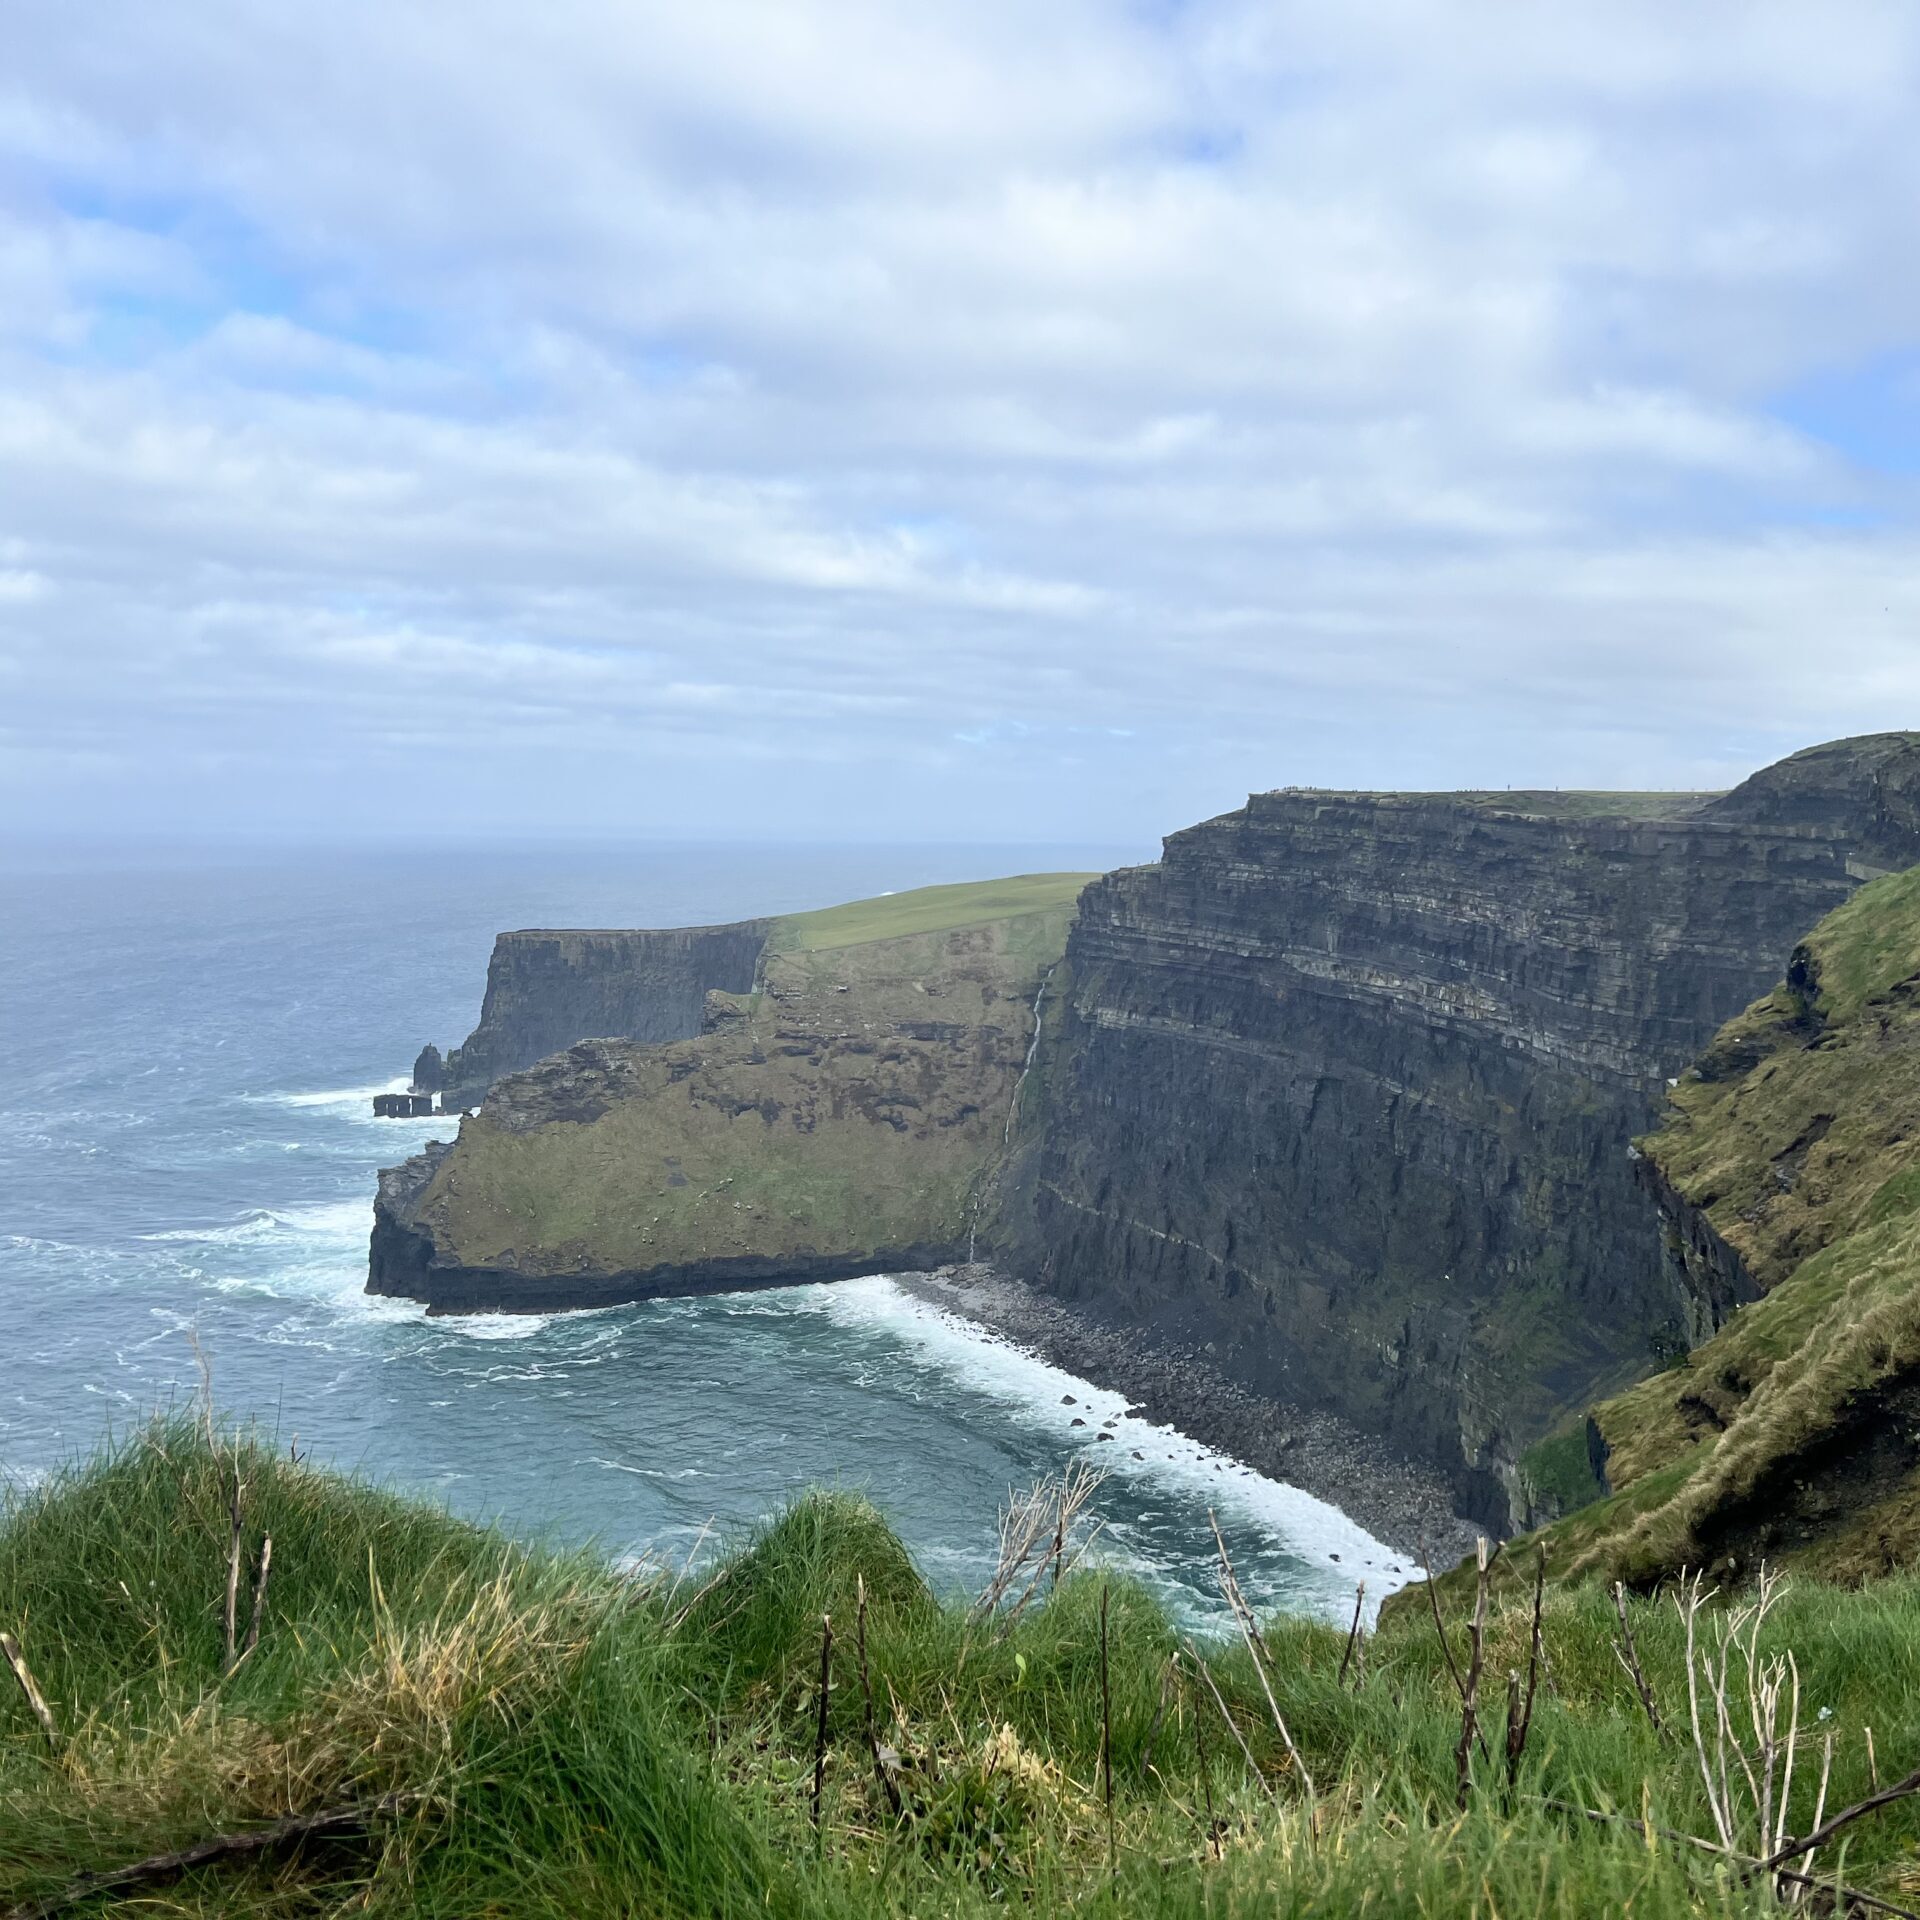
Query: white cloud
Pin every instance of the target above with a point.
(1151, 403)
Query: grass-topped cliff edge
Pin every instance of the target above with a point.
(437, 1721)
(1789, 1165)
(849, 1111)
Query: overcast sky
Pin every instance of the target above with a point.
(971, 421)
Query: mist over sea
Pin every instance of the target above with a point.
(189, 1043)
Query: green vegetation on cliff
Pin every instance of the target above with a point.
(1792, 1150)
(511, 1732)
(891, 916)
(855, 1105)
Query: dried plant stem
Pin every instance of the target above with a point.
(880, 1772)
(259, 1595)
(1520, 1713)
(1204, 1759)
(237, 1518)
(1256, 1649)
(820, 1729)
(1629, 1657)
(1353, 1641)
(1233, 1726)
(1848, 1896)
(1446, 1646)
(1824, 1831)
(36, 1700)
(1106, 1732)
(1470, 1693)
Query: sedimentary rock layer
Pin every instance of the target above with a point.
(546, 990)
(845, 1116)
(1343, 1087)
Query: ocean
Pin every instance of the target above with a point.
(189, 1044)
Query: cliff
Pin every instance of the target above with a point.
(1791, 1155)
(1342, 1089)
(546, 989)
(844, 1115)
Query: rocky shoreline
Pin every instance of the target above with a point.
(1398, 1502)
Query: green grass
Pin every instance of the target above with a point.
(574, 1744)
(927, 910)
(1869, 945)
(1573, 804)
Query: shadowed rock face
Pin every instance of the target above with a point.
(1344, 1086)
(547, 990)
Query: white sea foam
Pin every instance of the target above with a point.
(358, 1098)
(332, 1219)
(1032, 1390)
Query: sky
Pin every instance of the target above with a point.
(944, 421)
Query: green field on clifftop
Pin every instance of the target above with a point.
(505, 1733)
(890, 916)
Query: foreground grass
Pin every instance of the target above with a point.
(550, 1739)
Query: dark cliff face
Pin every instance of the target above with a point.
(548, 990)
(1345, 1087)
(1865, 791)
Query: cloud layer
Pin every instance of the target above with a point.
(975, 421)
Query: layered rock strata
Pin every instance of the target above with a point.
(1343, 1088)
(547, 989)
(844, 1116)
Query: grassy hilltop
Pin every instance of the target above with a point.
(508, 1732)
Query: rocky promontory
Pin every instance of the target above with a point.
(844, 1114)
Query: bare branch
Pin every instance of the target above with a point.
(221, 1846)
(36, 1700)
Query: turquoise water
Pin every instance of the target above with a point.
(188, 1049)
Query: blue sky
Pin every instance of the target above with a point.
(966, 422)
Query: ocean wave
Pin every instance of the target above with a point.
(1033, 1390)
(332, 1219)
(359, 1098)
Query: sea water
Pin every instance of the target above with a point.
(189, 1046)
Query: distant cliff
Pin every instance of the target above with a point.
(1342, 1088)
(847, 1114)
(546, 990)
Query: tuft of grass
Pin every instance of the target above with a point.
(568, 1742)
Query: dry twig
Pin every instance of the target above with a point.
(1106, 1732)
(259, 1595)
(880, 1772)
(820, 1732)
(1470, 1692)
(1354, 1642)
(36, 1700)
(1629, 1657)
(221, 1846)
(1257, 1649)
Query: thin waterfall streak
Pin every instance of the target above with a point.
(1013, 1113)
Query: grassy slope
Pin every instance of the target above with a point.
(578, 1747)
(857, 1101)
(888, 916)
(1798, 1137)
